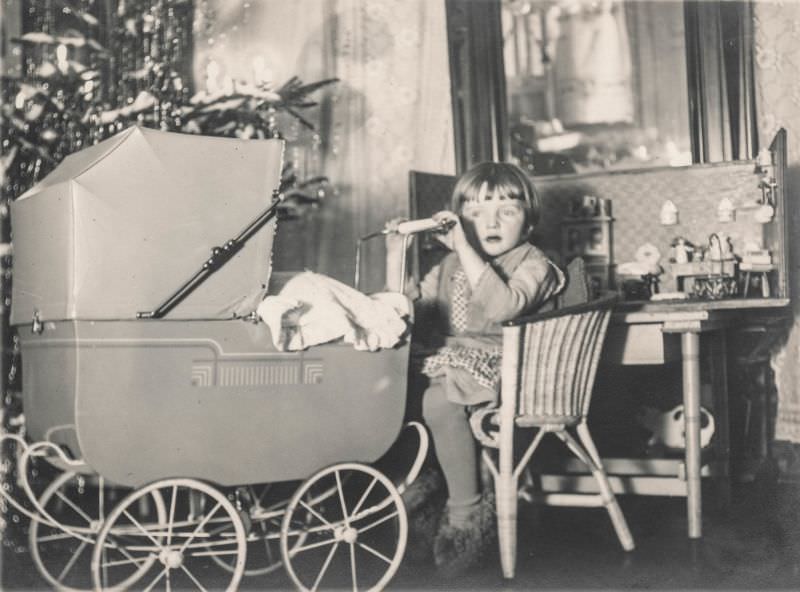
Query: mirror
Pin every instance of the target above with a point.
(595, 85)
(564, 86)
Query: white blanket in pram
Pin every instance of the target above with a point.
(313, 308)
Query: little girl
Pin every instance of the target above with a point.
(491, 275)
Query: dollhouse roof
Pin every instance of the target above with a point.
(117, 227)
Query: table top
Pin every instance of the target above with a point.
(697, 311)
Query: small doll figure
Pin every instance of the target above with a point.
(682, 250)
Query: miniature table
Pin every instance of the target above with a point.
(702, 269)
(762, 270)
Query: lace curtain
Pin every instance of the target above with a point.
(777, 72)
(389, 113)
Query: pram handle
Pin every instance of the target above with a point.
(219, 257)
(406, 228)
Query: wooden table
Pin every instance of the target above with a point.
(690, 320)
(663, 332)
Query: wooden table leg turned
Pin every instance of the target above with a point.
(690, 355)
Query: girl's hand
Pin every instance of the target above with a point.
(454, 239)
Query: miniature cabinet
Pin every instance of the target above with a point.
(587, 232)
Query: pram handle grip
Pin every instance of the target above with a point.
(407, 228)
(220, 255)
(424, 224)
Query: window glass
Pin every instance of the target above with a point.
(595, 84)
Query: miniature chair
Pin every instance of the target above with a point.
(548, 371)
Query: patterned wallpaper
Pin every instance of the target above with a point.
(777, 70)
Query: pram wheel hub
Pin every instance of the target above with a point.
(347, 534)
(172, 558)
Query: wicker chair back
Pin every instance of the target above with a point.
(558, 362)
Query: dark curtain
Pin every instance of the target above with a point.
(719, 59)
(477, 81)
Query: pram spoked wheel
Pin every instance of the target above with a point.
(78, 503)
(200, 523)
(353, 527)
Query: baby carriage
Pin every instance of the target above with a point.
(239, 458)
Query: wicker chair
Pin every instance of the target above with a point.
(548, 370)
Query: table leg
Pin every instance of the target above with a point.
(690, 354)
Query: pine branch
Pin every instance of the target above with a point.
(300, 118)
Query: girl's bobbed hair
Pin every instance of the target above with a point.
(497, 180)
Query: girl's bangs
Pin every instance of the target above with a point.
(491, 189)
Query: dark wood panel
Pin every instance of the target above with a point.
(477, 82)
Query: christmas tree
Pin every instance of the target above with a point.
(87, 75)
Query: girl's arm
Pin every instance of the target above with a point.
(531, 284)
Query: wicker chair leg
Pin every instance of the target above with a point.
(609, 499)
(586, 439)
(587, 452)
(614, 511)
(506, 494)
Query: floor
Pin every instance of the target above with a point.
(753, 545)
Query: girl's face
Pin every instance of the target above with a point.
(496, 225)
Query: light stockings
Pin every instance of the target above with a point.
(455, 450)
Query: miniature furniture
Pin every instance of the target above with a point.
(548, 370)
(587, 232)
(759, 270)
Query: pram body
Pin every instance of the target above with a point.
(192, 406)
(145, 400)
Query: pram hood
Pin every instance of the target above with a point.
(116, 228)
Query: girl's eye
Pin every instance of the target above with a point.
(472, 213)
(510, 212)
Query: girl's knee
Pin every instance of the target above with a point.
(436, 409)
